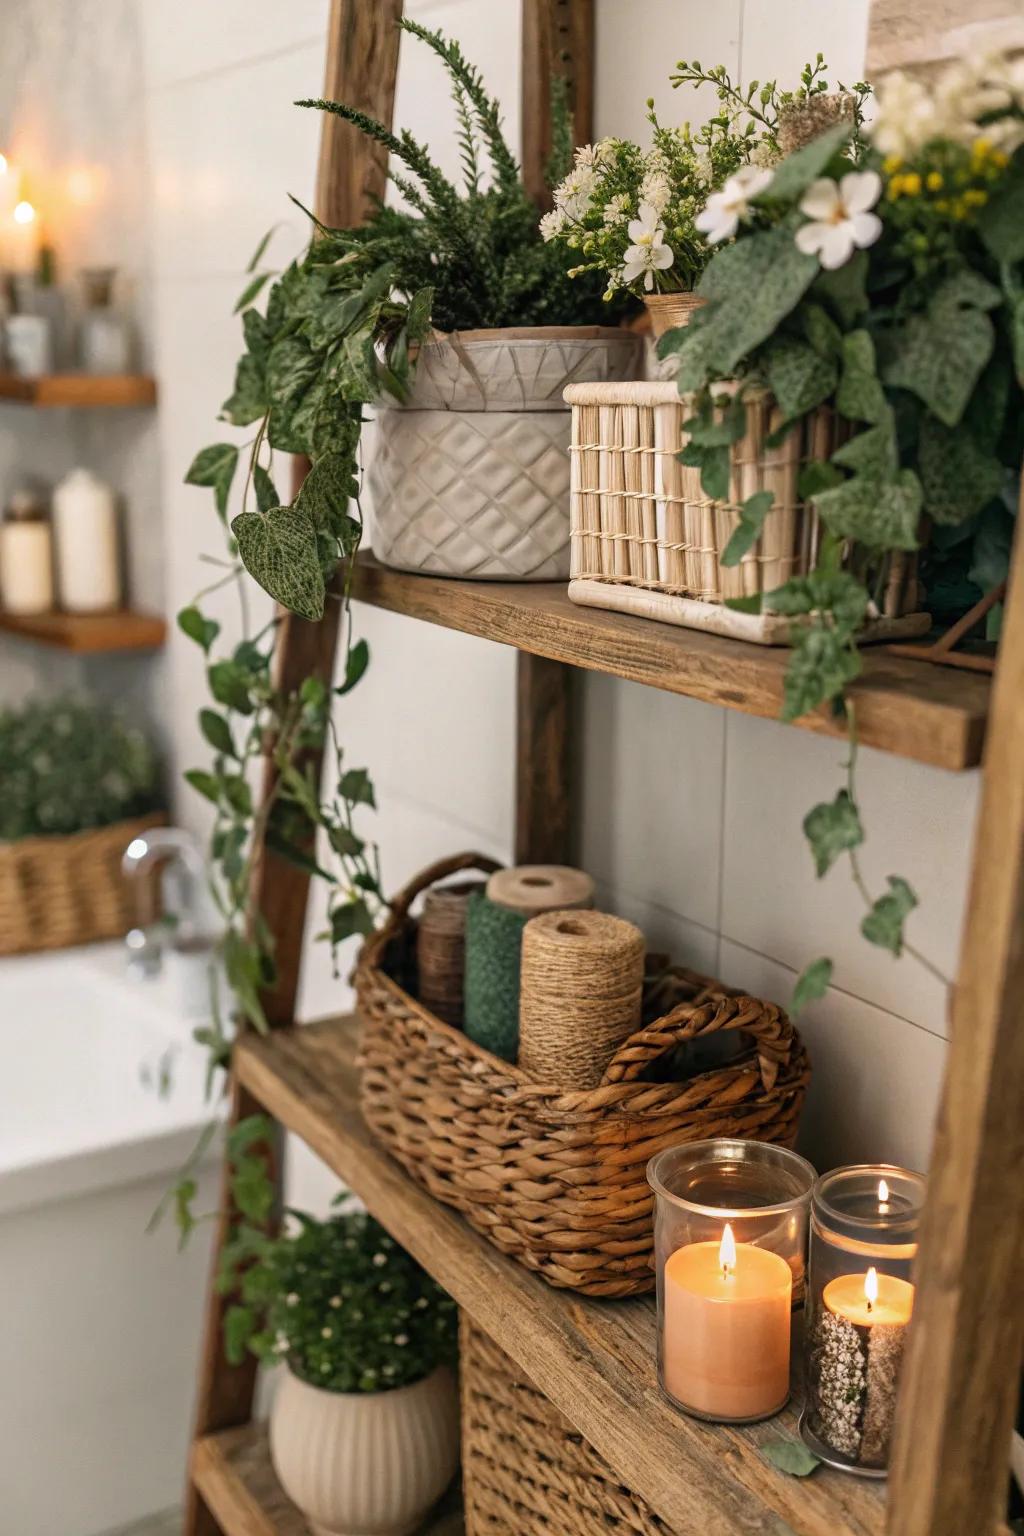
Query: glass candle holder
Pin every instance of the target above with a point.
(859, 1302)
(730, 1235)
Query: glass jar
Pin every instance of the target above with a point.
(859, 1301)
(730, 1235)
(26, 556)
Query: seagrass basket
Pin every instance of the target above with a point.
(646, 539)
(525, 1470)
(556, 1178)
(59, 891)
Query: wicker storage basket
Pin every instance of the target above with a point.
(556, 1179)
(647, 540)
(525, 1470)
(59, 891)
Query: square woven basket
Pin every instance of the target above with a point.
(646, 539)
(554, 1178)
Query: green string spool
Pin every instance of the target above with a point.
(494, 942)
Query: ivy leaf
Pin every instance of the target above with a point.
(815, 477)
(355, 787)
(799, 377)
(957, 476)
(215, 466)
(820, 667)
(811, 984)
(711, 431)
(939, 356)
(860, 396)
(805, 165)
(751, 517)
(326, 491)
(266, 495)
(345, 842)
(791, 1456)
(356, 663)
(291, 368)
(279, 550)
(879, 514)
(884, 923)
(832, 828)
(1001, 220)
(354, 917)
(203, 631)
(759, 281)
(873, 453)
(207, 784)
(257, 334)
(821, 331)
(217, 732)
(714, 465)
(834, 591)
(230, 683)
(250, 291)
(844, 289)
(248, 400)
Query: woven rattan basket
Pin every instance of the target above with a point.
(556, 1179)
(524, 1468)
(59, 891)
(646, 539)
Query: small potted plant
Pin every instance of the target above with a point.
(364, 1429)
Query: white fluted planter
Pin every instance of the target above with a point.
(365, 1463)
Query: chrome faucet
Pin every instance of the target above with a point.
(183, 885)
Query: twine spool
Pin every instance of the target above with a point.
(534, 888)
(441, 949)
(580, 996)
(494, 940)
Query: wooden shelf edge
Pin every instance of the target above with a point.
(81, 391)
(594, 1360)
(89, 634)
(904, 706)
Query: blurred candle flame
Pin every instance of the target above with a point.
(883, 1192)
(727, 1251)
(871, 1287)
(24, 213)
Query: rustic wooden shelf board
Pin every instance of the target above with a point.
(904, 706)
(594, 1360)
(80, 390)
(239, 1487)
(89, 633)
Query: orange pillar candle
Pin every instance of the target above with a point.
(725, 1348)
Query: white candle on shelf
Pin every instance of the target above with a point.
(85, 532)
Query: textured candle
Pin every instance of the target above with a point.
(494, 939)
(856, 1355)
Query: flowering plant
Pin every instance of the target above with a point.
(340, 1301)
(893, 292)
(638, 215)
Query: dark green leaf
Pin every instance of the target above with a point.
(714, 466)
(248, 400)
(203, 631)
(832, 828)
(939, 356)
(1001, 220)
(811, 984)
(805, 165)
(716, 429)
(791, 1456)
(349, 920)
(821, 331)
(815, 477)
(325, 492)
(844, 290)
(266, 494)
(291, 368)
(748, 528)
(822, 590)
(356, 663)
(798, 376)
(758, 281)
(345, 842)
(884, 923)
(254, 259)
(957, 476)
(873, 453)
(215, 466)
(820, 667)
(355, 787)
(206, 783)
(256, 333)
(879, 514)
(217, 732)
(279, 550)
(292, 854)
(860, 396)
(250, 291)
(230, 685)
(239, 1324)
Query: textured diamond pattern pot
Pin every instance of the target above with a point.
(365, 1463)
(471, 476)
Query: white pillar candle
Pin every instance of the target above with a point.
(85, 531)
(26, 575)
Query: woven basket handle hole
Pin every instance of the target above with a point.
(573, 928)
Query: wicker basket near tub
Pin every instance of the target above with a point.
(524, 1468)
(470, 476)
(647, 540)
(64, 890)
(556, 1178)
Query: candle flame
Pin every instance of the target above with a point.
(727, 1251)
(3, 165)
(871, 1287)
(24, 213)
(883, 1192)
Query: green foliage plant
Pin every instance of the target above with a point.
(891, 290)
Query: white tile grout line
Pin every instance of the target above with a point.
(233, 65)
(169, 1523)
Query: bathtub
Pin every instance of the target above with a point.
(99, 1322)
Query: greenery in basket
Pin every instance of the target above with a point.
(339, 330)
(339, 1301)
(893, 292)
(68, 764)
(639, 216)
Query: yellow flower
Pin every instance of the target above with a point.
(942, 205)
(891, 163)
(975, 197)
(911, 184)
(934, 181)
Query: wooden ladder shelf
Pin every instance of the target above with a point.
(596, 1360)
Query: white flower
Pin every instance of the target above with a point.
(720, 219)
(575, 192)
(840, 220)
(380, 1259)
(616, 209)
(648, 253)
(552, 223)
(327, 1333)
(335, 1301)
(292, 1300)
(401, 1339)
(656, 191)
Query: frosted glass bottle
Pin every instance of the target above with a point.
(26, 563)
(85, 536)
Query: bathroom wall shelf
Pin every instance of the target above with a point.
(80, 390)
(903, 705)
(594, 1360)
(89, 634)
(234, 1474)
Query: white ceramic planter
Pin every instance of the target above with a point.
(471, 476)
(365, 1463)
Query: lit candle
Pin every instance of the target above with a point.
(726, 1329)
(861, 1335)
(20, 250)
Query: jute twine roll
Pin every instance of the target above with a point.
(494, 938)
(580, 995)
(441, 948)
(533, 888)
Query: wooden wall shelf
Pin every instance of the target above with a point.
(594, 1360)
(89, 634)
(80, 390)
(904, 706)
(233, 1473)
